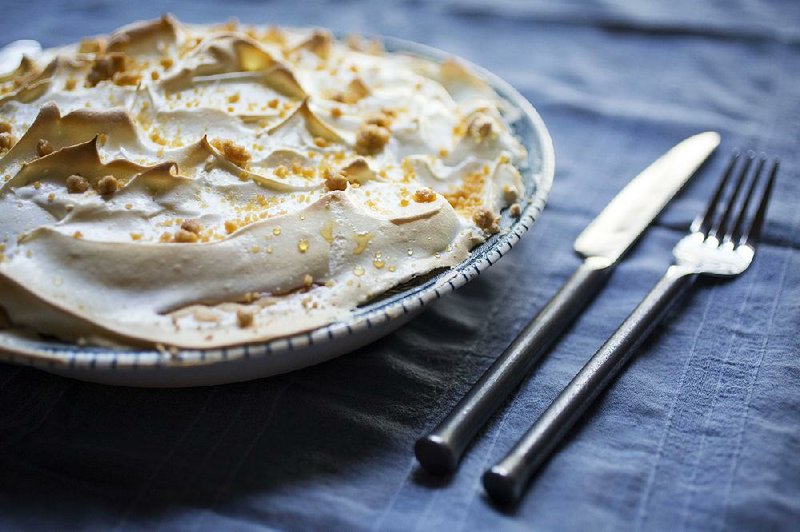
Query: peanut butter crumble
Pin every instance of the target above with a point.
(107, 185)
(127, 78)
(43, 147)
(186, 237)
(77, 184)
(235, 153)
(192, 226)
(486, 220)
(336, 181)
(105, 67)
(244, 318)
(480, 127)
(424, 195)
(510, 194)
(371, 139)
(92, 46)
(7, 141)
(378, 118)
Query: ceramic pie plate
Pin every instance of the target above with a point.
(192, 367)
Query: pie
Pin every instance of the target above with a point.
(200, 186)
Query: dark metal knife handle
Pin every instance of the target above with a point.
(506, 481)
(440, 451)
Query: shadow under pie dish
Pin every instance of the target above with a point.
(186, 204)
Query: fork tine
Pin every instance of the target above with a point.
(718, 229)
(752, 235)
(736, 233)
(704, 224)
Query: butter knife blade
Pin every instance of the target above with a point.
(621, 222)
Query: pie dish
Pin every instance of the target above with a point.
(203, 204)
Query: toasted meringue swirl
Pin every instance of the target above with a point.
(202, 186)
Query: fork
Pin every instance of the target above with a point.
(721, 242)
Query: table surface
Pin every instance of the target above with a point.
(702, 432)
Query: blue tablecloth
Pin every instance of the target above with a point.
(703, 430)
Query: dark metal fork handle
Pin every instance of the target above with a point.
(506, 481)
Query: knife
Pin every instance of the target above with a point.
(602, 244)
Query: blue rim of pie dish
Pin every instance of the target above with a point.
(537, 176)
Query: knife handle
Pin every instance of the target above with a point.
(440, 451)
(506, 481)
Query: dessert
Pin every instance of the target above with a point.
(199, 186)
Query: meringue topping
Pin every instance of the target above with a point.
(201, 186)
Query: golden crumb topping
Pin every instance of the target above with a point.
(7, 141)
(244, 318)
(470, 194)
(43, 147)
(127, 78)
(107, 185)
(77, 184)
(486, 220)
(371, 139)
(335, 181)
(96, 45)
(480, 127)
(183, 236)
(105, 67)
(192, 226)
(510, 194)
(235, 153)
(379, 118)
(355, 91)
(424, 195)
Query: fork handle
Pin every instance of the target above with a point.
(506, 481)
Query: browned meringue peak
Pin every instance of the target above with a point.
(31, 85)
(74, 128)
(159, 178)
(355, 91)
(28, 92)
(107, 97)
(112, 286)
(358, 171)
(278, 79)
(82, 159)
(226, 163)
(303, 126)
(146, 38)
(462, 83)
(82, 129)
(272, 34)
(204, 155)
(222, 54)
(359, 43)
(53, 173)
(27, 67)
(320, 42)
(281, 78)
